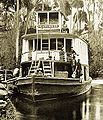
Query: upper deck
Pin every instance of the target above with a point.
(47, 21)
(49, 35)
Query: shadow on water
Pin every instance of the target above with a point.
(84, 107)
(63, 109)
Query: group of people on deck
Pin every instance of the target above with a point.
(76, 69)
(76, 65)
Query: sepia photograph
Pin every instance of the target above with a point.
(51, 59)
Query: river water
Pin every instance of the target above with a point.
(86, 107)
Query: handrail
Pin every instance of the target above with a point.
(65, 56)
(44, 51)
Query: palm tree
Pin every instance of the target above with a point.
(79, 16)
(7, 14)
(7, 35)
(29, 5)
(65, 6)
(77, 4)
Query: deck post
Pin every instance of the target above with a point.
(17, 36)
(33, 88)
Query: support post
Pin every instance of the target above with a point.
(17, 34)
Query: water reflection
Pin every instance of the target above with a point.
(88, 107)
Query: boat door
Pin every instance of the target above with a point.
(68, 48)
(68, 45)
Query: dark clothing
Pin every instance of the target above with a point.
(78, 70)
(73, 53)
(65, 28)
(69, 71)
(73, 65)
(62, 56)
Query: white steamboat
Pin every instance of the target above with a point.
(49, 65)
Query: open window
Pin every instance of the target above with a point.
(53, 18)
(68, 45)
(37, 44)
(53, 44)
(42, 18)
(30, 45)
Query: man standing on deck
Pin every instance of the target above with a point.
(78, 69)
(73, 53)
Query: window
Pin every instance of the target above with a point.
(42, 18)
(53, 18)
(45, 44)
(30, 45)
(68, 45)
(39, 44)
(60, 42)
(52, 44)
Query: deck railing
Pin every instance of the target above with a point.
(52, 55)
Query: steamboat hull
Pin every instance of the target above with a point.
(45, 88)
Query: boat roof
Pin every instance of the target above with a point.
(51, 35)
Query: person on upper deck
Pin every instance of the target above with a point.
(65, 27)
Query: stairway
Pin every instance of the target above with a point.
(34, 67)
(47, 68)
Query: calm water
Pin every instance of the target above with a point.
(87, 107)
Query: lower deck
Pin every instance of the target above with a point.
(55, 69)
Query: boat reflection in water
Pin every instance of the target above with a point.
(85, 107)
(69, 109)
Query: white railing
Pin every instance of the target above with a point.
(37, 55)
(26, 56)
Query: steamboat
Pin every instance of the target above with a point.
(54, 62)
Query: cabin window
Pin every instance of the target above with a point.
(60, 43)
(30, 45)
(68, 45)
(42, 18)
(37, 46)
(45, 44)
(52, 44)
(53, 18)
